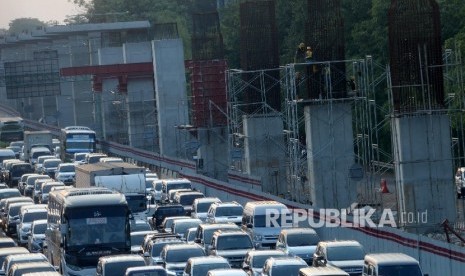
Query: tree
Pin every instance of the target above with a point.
(21, 25)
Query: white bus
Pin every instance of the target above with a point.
(75, 139)
(84, 224)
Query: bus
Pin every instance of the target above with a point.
(11, 129)
(84, 224)
(75, 139)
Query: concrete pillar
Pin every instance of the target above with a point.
(264, 151)
(424, 170)
(212, 146)
(330, 154)
(171, 96)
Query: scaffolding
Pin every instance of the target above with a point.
(362, 99)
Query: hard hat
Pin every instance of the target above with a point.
(309, 48)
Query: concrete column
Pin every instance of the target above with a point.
(213, 144)
(264, 151)
(424, 170)
(171, 96)
(330, 154)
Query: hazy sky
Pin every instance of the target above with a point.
(44, 10)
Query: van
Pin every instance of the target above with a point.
(390, 264)
(264, 232)
(172, 184)
(38, 151)
(322, 271)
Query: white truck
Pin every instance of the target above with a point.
(123, 177)
(34, 139)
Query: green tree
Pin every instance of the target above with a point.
(20, 25)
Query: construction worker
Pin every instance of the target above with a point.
(309, 54)
(299, 56)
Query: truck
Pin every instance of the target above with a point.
(122, 177)
(43, 138)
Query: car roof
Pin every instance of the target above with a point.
(147, 268)
(390, 258)
(208, 260)
(218, 225)
(265, 252)
(286, 260)
(227, 272)
(119, 258)
(324, 270)
(230, 232)
(339, 243)
(298, 231)
(182, 246)
(13, 250)
(26, 256)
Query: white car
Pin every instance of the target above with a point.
(66, 173)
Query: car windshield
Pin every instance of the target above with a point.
(229, 211)
(51, 164)
(137, 239)
(302, 239)
(158, 247)
(148, 273)
(395, 270)
(182, 255)
(231, 242)
(259, 261)
(176, 186)
(29, 217)
(148, 184)
(202, 269)
(188, 199)
(119, 268)
(67, 169)
(79, 157)
(286, 270)
(40, 228)
(203, 207)
(32, 179)
(46, 189)
(208, 233)
(182, 226)
(345, 253)
(275, 221)
(191, 236)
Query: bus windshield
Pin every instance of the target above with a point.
(83, 145)
(97, 225)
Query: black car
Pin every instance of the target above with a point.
(163, 211)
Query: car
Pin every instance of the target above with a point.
(201, 205)
(36, 237)
(168, 221)
(30, 183)
(255, 259)
(186, 199)
(347, 255)
(66, 173)
(180, 226)
(45, 190)
(36, 193)
(21, 258)
(111, 160)
(12, 216)
(16, 150)
(151, 270)
(205, 232)
(157, 192)
(288, 266)
(50, 166)
(40, 162)
(79, 158)
(174, 257)
(6, 251)
(154, 248)
(22, 182)
(7, 201)
(20, 269)
(16, 171)
(199, 266)
(7, 242)
(163, 211)
(224, 212)
(231, 245)
(299, 242)
(380, 264)
(9, 192)
(115, 265)
(137, 239)
(174, 184)
(27, 215)
(92, 158)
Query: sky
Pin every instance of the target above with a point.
(44, 10)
